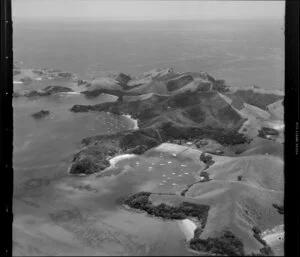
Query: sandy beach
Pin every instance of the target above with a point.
(188, 227)
(113, 161)
(275, 238)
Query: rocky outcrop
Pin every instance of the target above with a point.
(27, 75)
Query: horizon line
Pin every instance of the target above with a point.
(56, 18)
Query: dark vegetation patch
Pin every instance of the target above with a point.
(184, 210)
(49, 90)
(239, 178)
(178, 83)
(40, 114)
(220, 86)
(204, 86)
(264, 132)
(139, 149)
(204, 176)
(183, 193)
(86, 166)
(207, 159)
(26, 79)
(280, 208)
(227, 244)
(66, 75)
(82, 82)
(123, 79)
(257, 234)
(200, 143)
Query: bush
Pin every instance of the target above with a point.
(205, 176)
(256, 230)
(185, 209)
(227, 244)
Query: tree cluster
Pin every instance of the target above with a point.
(227, 244)
(185, 209)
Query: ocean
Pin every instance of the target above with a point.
(241, 52)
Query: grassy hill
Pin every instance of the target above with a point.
(241, 190)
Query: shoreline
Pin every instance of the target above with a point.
(188, 227)
(113, 161)
(274, 236)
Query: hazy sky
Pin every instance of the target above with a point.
(150, 10)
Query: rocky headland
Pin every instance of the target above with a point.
(22, 75)
(47, 91)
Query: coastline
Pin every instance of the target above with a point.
(113, 161)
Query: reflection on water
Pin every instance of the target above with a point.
(78, 215)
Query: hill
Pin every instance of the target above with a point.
(235, 194)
